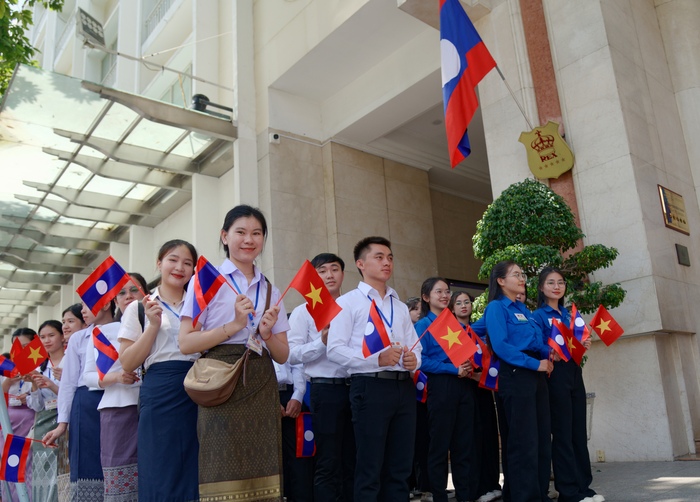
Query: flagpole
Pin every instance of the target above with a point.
(285, 292)
(7, 429)
(522, 110)
(417, 341)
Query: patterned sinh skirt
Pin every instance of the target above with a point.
(45, 460)
(86, 478)
(118, 432)
(240, 441)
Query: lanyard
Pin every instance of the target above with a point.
(387, 321)
(257, 296)
(168, 307)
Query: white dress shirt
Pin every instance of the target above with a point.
(166, 346)
(292, 375)
(221, 308)
(37, 400)
(118, 395)
(348, 329)
(73, 367)
(307, 348)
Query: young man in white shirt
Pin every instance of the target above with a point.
(382, 395)
(330, 387)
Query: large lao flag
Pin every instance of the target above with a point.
(376, 337)
(455, 341)
(465, 61)
(207, 282)
(14, 458)
(102, 285)
(319, 302)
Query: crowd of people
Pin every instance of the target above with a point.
(133, 433)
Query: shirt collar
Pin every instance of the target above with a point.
(228, 267)
(156, 294)
(368, 290)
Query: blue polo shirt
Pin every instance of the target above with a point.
(511, 332)
(542, 317)
(434, 359)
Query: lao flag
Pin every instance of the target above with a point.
(578, 325)
(489, 376)
(319, 302)
(557, 339)
(605, 326)
(207, 282)
(420, 380)
(102, 285)
(478, 357)
(29, 357)
(7, 367)
(376, 337)
(106, 353)
(306, 446)
(14, 458)
(465, 61)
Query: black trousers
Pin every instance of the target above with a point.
(567, 403)
(298, 473)
(488, 465)
(452, 419)
(419, 477)
(335, 442)
(525, 400)
(384, 418)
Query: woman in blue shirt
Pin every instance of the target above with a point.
(567, 399)
(451, 404)
(522, 385)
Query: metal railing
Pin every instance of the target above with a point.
(155, 16)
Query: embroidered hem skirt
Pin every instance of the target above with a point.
(45, 460)
(86, 478)
(118, 433)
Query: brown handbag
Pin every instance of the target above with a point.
(211, 382)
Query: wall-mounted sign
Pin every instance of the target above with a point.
(548, 155)
(673, 208)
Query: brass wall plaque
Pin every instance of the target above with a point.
(673, 209)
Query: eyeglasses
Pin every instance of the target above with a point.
(519, 275)
(555, 283)
(133, 290)
(443, 292)
(459, 303)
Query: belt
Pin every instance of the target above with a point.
(336, 381)
(283, 386)
(533, 354)
(386, 375)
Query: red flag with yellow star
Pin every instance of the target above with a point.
(30, 357)
(455, 341)
(576, 348)
(605, 326)
(319, 301)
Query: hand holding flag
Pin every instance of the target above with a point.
(605, 326)
(319, 302)
(103, 285)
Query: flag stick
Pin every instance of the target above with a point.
(285, 292)
(417, 341)
(513, 96)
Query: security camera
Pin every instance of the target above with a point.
(274, 138)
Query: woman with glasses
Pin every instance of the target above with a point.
(567, 399)
(522, 385)
(451, 403)
(135, 289)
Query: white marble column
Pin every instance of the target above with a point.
(206, 217)
(141, 255)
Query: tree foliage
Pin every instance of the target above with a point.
(15, 19)
(533, 226)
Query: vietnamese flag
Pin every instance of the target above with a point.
(576, 348)
(605, 326)
(455, 341)
(319, 302)
(30, 356)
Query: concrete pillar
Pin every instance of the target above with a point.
(205, 57)
(129, 43)
(120, 252)
(141, 256)
(206, 218)
(44, 313)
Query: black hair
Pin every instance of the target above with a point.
(363, 246)
(174, 243)
(499, 271)
(77, 310)
(324, 258)
(413, 302)
(242, 211)
(541, 298)
(138, 278)
(54, 324)
(28, 332)
(454, 296)
(425, 290)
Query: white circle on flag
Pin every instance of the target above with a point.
(559, 339)
(13, 461)
(101, 287)
(493, 372)
(420, 386)
(369, 329)
(450, 61)
(309, 436)
(579, 322)
(478, 349)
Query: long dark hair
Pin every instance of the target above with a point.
(453, 299)
(77, 310)
(425, 290)
(499, 271)
(546, 272)
(58, 326)
(242, 211)
(28, 332)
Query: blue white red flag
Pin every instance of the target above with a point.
(306, 446)
(107, 355)
(465, 61)
(558, 337)
(478, 357)
(376, 337)
(578, 325)
(207, 282)
(14, 458)
(103, 285)
(491, 367)
(420, 380)
(7, 367)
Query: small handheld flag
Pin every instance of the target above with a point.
(420, 380)
(14, 458)
(319, 302)
(306, 446)
(29, 357)
(557, 339)
(605, 326)
(106, 353)
(7, 367)
(576, 349)
(478, 357)
(578, 325)
(376, 337)
(448, 333)
(207, 282)
(492, 366)
(102, 285)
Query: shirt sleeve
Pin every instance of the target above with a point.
(130, 327)
(90, 376)
(299, 383)
(35, 400)
(302, 349)
(69, 380)
(497, 327)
